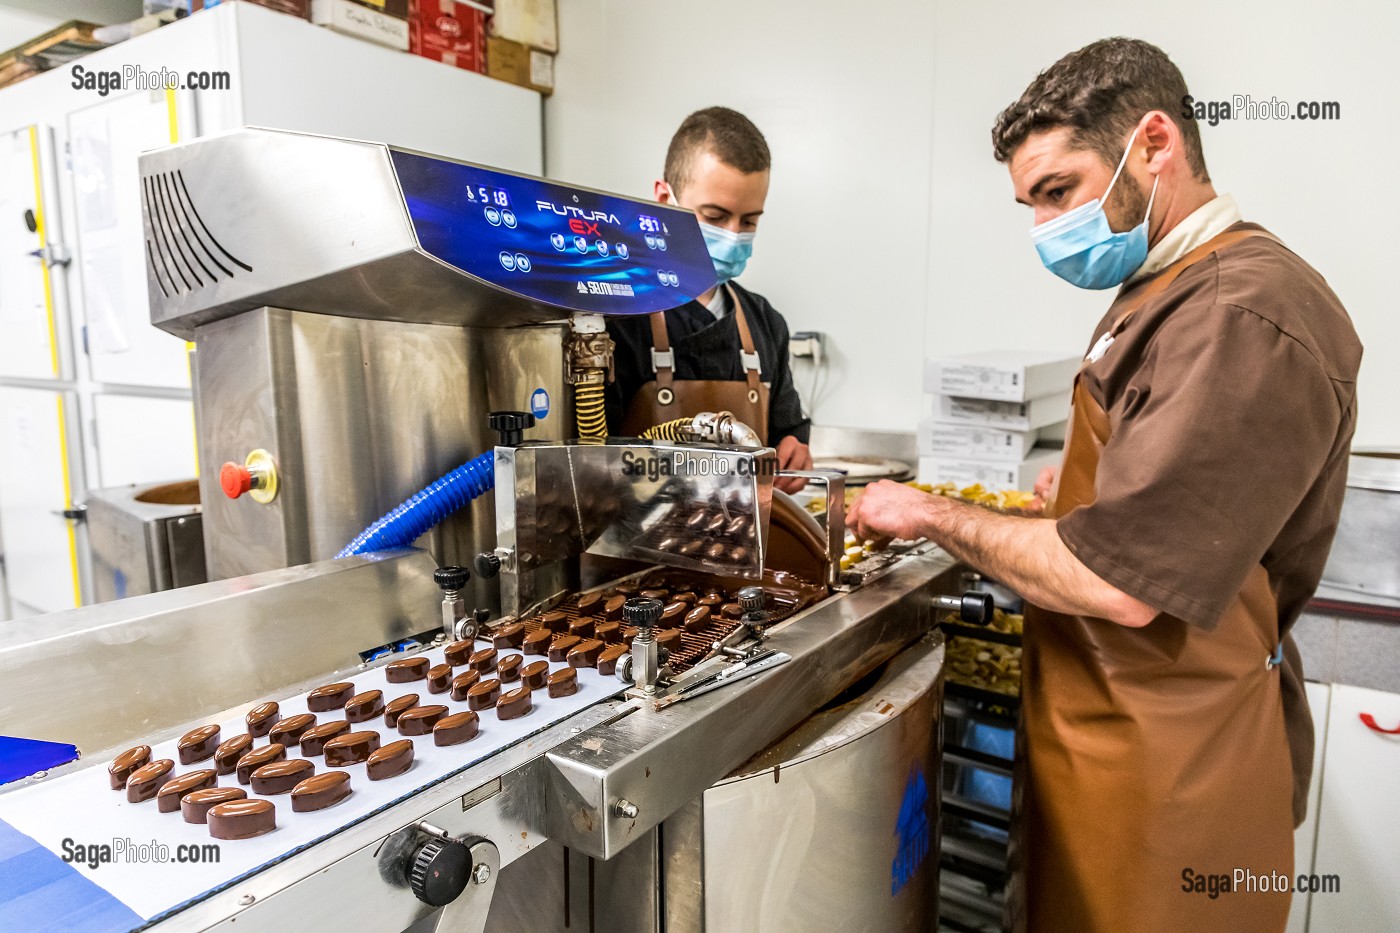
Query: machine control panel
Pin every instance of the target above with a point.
(570, 247)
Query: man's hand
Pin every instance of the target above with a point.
(1045, 482)
(889, 510)
(792, 455)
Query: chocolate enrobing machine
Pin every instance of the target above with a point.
(365, 318)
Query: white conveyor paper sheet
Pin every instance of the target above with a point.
(81, 807)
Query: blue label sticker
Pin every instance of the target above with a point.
(539, 404)
(912, 831)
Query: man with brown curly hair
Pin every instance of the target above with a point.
(1168, 742)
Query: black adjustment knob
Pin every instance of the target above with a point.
(977, 608)
(439, 871)
(451, 578)
(487, 565)
(511, 426)
(643, 613)
(752, 599)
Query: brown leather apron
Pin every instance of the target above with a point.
(1151, 750)
(667, 398)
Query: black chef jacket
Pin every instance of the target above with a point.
(705, 348)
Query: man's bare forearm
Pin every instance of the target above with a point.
(1027, 555)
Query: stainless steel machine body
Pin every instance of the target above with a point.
(358, 310)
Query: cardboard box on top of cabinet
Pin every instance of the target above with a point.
(520, 64)
(1001, 375)
(384, 22)
(448, 32)
(301, 9)
(529, 22)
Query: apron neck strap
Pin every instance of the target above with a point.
(663, 361)
(1159, 283)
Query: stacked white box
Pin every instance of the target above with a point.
(998, 417)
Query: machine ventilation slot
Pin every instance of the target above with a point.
(182, 252)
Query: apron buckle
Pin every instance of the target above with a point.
(662, 359)
(750, 360)
(1275, 659)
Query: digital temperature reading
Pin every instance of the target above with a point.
(649, 224)
(482, 194)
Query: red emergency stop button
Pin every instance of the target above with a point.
(235, 479)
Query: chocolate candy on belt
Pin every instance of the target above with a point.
(510, 636)
(260, 719)
(329, 697)
(456, 729)
(313, 740)
(289, 731)
(459, 652)
(612, 609)
(320, 791)
(732, 611)
(710, 599)
(439, 678)
(146, 781)
(629, 632)
(198, 744)
(610, 632)
(561, 647)
(351, 748)
(484, 661)
(421, 719)
(537, 642)
(697, 618)
(128, 761)
(365, 706)
(556, 621)
(172, 791)
(563, 682)
(241, 819)
(685, 596)
(534, 674)
(390, 761)
(672, 615)
(625, 589)
(406, 670)
(230, 750)
(195, 805)
(657, 594)
(607, 661)
(484, 694)
(590, 603)
(281, 776)
(463, 683)
(508, 668)
(583, 628)
(585, 653)
(257, 758)
(513, 705)
(669, 639)
(400, 705)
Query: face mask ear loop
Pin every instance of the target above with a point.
(1150, 198)
(1121, 162)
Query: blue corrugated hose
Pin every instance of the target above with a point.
(424, 509)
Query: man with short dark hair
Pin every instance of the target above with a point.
(728, 349)
(1167, 737)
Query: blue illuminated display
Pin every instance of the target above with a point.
(579, 250)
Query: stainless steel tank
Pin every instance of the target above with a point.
(1365, 556)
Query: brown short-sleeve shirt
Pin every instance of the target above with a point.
(1232, 400)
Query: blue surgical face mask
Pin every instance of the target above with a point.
(1080, 247)
(729, 251)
